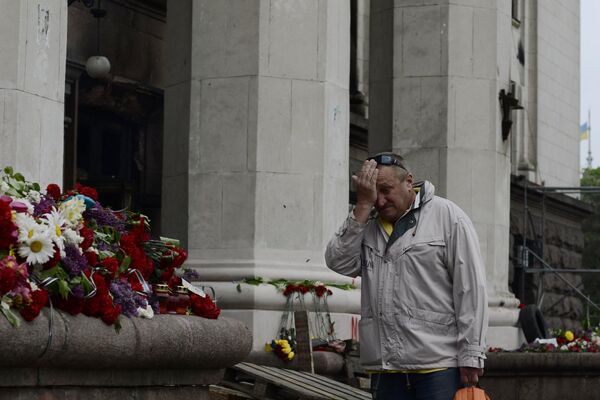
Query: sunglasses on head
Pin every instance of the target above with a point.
(384, 159)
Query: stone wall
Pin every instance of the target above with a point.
(554, 231)
(558, 92)
(542, 376)
(60, 356)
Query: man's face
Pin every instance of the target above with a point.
(393, 196)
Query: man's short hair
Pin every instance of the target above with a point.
(392, 159)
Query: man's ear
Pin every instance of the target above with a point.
(409, 179)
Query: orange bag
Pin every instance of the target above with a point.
(471, 393)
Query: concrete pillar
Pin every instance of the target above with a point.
(445, 64)
(33, 37)
(256, 144)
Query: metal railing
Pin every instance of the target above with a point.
(525, 251)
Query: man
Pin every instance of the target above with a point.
(424, 303)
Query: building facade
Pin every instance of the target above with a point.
(235, 124)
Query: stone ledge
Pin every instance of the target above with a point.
(542, 363)
(542, 376)
(79, 377)
(166, 341)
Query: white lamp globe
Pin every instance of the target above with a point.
(98, 67)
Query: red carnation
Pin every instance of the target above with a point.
(320, 290)
(180, 258)
(53, 261)
(8, 279)
(72, 305)
(53, 190)
(303, 289)
(8, 230)
(39, 299)
(91, 307)
(30, 313)
(111, 264)
(204, 306)
(101, 285)
(91, 257)
(86, 191)
(111, 314)
(88, 238)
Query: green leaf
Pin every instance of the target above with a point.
(55, 272)
(124, 264)
(19, 177)
(36, 187)
(10, 316)
(102, 254)
(238, 287)
(254, 281)
(8, 170)
(86, 284)
(63, 288)
(118, 325)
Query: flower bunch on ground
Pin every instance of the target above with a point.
(282, 349)
(564, 341)
(318, 288)
(68, 249)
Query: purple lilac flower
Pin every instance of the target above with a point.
(77, 291)
(44, 206)
(191, 275)
(103, 246)
(124, 296)
(104, 217)
(74, 262)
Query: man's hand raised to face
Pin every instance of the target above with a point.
(366, 190)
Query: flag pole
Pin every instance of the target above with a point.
(589, 157)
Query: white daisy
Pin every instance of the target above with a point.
(38, 249)
(56, 224)
(71, 211)
(28, 227)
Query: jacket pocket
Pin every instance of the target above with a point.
(370, 346)
(428, 253)
(443, 323)
(424, 244)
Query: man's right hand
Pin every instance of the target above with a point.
(366, 190)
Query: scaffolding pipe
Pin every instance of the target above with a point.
(545, 264)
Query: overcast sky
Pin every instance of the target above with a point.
(590, 76)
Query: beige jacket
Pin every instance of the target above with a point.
(424, 302)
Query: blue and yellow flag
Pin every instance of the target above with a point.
(584, 131)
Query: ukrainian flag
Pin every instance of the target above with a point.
(584, 131)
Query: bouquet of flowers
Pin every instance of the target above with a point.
(67, 250)
(563, 341)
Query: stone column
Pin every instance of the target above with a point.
(33, 38)
(445, 64)
(256, 144)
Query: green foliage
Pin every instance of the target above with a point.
(280, 284)
(15, 183)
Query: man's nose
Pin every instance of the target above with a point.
(380, 201)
